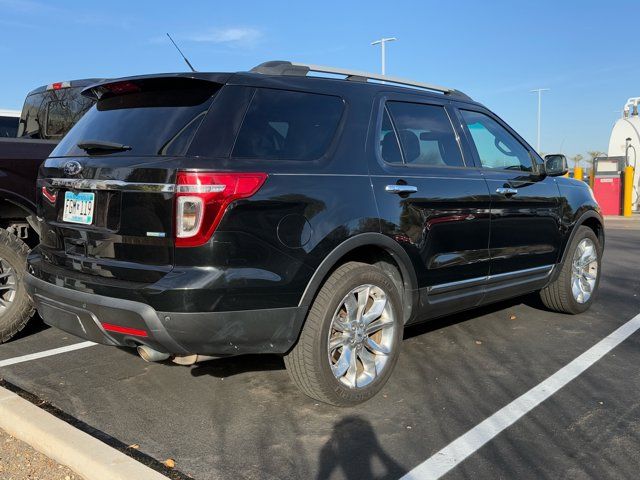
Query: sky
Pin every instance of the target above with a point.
(585, 52)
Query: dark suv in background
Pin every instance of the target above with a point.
(48, 113)
(212, 214)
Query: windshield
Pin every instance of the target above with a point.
(51, 114)
(156, 117)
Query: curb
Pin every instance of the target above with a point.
(82, 453)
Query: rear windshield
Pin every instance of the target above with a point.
(51, 114)
(152, 117)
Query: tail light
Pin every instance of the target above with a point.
(203, 197)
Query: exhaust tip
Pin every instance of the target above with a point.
(150, 355)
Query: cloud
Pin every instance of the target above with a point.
(233, 36)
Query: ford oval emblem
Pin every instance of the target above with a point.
(72, 168)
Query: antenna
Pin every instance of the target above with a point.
(182, 54)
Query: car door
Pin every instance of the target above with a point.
(432, 200)
(525, 208)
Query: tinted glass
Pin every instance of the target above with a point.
(52, 113)
(389, 149)
(8, 127)
(285, 125)
(496, 147)
(158, 119)
(426, 134)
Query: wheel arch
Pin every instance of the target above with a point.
(15, 208)
(376, 249)
(591, 219)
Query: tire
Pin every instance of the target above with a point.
(559, 295)
(16, 307)
(374, 350)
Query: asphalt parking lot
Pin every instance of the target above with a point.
(243, 418)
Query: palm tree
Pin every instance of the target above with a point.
(577, 159)
(594, 154)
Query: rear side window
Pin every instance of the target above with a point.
(286, 125)
(426, 134)
(8, 127)
(153, 116)
(496, 147)
(50, 114)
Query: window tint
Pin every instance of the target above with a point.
(285, 125)
(426, 135)
(159, 117)
(389, 149)
(496, 147)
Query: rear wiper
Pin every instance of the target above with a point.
(102, 146)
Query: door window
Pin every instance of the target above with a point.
(496, 147)
(426, 135)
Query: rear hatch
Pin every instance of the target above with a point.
(107, 190)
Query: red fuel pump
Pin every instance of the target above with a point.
(607, 184)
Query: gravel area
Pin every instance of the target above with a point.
(18, 461)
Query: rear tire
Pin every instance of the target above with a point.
(16, 307)
(351, 339)
(574, 288)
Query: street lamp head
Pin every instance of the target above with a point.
(383, 40)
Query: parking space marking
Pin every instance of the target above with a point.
(454, 453)
(45, 353)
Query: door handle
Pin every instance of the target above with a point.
(506, 191)
(400, 189)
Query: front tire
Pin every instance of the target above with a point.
(351, 339)
(574, 288)
(15, 305)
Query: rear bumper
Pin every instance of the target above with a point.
(208, 333)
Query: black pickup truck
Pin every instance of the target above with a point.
(48, 113)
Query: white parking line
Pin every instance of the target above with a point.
(45, 353)
(454, 453)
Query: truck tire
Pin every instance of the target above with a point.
(574, 288)
(351, 338)
(16, 307)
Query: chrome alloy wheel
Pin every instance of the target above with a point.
(8, 285)
(584, 270)
(361, 336)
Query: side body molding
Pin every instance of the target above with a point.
(411, 294)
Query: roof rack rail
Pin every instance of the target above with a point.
(281, 67)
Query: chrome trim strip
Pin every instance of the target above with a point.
(87, 184)
(520, 273)
(445, 287)
(471, 282)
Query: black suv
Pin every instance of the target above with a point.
(211, 214)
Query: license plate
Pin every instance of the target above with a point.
(78, 207)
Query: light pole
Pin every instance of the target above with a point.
(382, 43)
(539, 92)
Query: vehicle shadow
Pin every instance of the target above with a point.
(236, 365)
(354, 449)
(33, 326)
(230, 366)
(531, 300)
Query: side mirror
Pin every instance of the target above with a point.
(556, 165)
